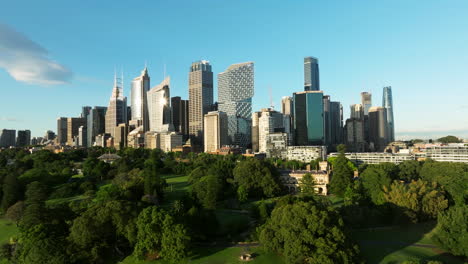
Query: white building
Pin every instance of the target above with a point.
(305, 153)
(215, 128)
(159, 108)
(451, 153)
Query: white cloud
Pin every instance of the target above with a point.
(9, 119)
(26, 61)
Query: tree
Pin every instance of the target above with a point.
(451, 232)
(355, 194)
(409, 170)
(419, 199)
(15, 212)
(449, 139)
(208, 190)
(153, 183)
(342, 174)
(174, 241)
(257, 178)
(11, 191)
(307, 184)
(304, 232)
(36, 192)
(374, 178)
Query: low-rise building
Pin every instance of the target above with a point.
(291, 178)
(376, 157)
(305, 153)
(450, 153)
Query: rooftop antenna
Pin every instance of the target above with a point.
(272, 105)
(122, 79)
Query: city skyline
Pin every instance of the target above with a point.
(388, 65)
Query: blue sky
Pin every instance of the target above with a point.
(56, 56)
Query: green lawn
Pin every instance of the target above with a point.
(217, 256)
(396, 244)
(57, 201)
(7, 230)
(178, 186)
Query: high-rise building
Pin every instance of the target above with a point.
(336, 123)
(215, 128)
(200, 99)
(62, 130)
(366, 102)
(264, 123)
(311, 74)
(24, 138)
(82, 136)
(180, 114)
(309, 123)
(7, 138)
(139, 105)
(159, 108)
(354, 135)
(49, 135)
(357, 111)
(96, 123)
(387, 103)
(287, 105)
(235, 92)
(378, 129)
(287, 108)
(73, 125)
(120, 136)
(85, 111)
(117, 109)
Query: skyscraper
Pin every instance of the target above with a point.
(7, 138)
(287, 105)
(215, 127)
(366, 102)
(378, 129)
(387, 103)
(24, 138)
(117, 110)
(62, 130)
(311, 74)
(336, 123)
(180, 114)
(82, 137)
(73, 125)
(309, 118)
(159, 108)
(200, 98)
(235, 92)
(287, 108)
(96, 123)
(357, 111)
(85, 111)
(264, 123)
(139, 105)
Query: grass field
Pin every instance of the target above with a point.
(217, 256)
(396, 244)
(177, 187)
(7, 230)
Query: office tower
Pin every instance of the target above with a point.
(139, 105)
(326, 119)
(366, 102)
(311, 74)
(73, 125)
(120, 136)
(215, 131)
(24, 138)
(264, 123)
(357, 111)
(62, 130)
(235, 92)
(378, 129)
(117, 109)
(354, 135)
(200, 98)
(387, 103)
(7, 138)
(82, 137)
(85, 111)
(309, 118)
(287, 105)
(336, 123)
(180, 114)
(96, 124)
(159, 109)
(49, 135)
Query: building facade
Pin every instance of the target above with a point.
(378, 130)
(309, 122)
(159, 108)
(96, 123)
(235, 92)
(215, 127)
(264, 123)
(117, 109)
(138, 101)
(200, 99)
(7, 138)
(24, 138)
(366, 102)
(62, 130)
(180, 115)
(305, 153)
(311, 74)
(387, 103)
(73, 126)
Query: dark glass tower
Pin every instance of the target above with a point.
(309, 123)
(311, 74)
(387, 103)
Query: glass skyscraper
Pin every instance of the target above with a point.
(311, 74)
(138, 100)
(117, 110)
(309, 118)
(235, 92)
(387, 103)
(200, 98)
(96, 121)
(159, 108)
